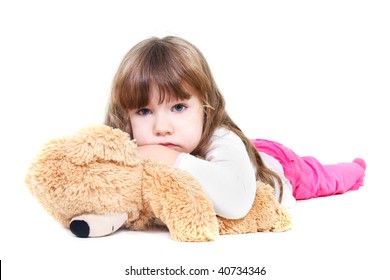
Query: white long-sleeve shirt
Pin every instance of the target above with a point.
(228, 176)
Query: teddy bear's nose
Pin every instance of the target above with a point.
(79, 228)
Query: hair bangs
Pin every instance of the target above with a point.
(159, 71)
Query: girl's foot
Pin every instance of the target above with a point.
(96, 225)
(360, 162)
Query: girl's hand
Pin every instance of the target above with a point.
(158, 153)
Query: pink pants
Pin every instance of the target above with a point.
(308, 177)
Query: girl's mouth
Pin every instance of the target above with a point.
(168, 145)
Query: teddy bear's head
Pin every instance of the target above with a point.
(94, 170)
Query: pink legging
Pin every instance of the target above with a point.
(308, 177)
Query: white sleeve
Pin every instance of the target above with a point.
(226, 174)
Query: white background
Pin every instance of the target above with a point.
(313, 75)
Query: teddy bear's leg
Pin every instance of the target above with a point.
(265, 215)
(96, 225)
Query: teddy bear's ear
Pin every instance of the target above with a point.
(101, 143)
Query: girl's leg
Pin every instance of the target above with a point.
(309, 178)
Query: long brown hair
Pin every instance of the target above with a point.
(172, 64)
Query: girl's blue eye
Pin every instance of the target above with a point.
(179, 108)
(143, 112)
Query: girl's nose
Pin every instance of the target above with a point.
(163, 126)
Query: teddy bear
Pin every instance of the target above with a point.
(97, 170)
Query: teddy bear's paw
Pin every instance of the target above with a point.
(192, 231)
(284, 223)
(97, 225)
(190, 236)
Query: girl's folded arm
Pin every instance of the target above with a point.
(226, 174)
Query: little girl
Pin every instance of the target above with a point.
(165, 97)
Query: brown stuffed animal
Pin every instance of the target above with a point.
(97, 170)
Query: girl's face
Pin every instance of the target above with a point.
(176, 124)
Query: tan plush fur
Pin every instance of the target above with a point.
(97, 170)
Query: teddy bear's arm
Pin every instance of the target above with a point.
(179, 201)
